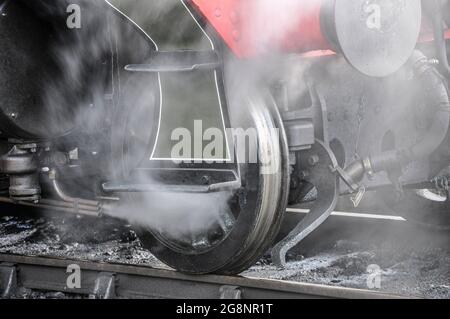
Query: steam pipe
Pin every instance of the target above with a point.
(52, 207)
(67, 198)
(355, 171)
(58, 203)
(436, 88)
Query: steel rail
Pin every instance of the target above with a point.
(106, 280)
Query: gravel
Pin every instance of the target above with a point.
(417, 265)
(74, 238)
(419, 272)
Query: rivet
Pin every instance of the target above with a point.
(234, 18)
(236, 35)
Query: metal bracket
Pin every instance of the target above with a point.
(357, 198)
(178, 61)
(125, 187)
(357, 189)
(8, 280)
(320, 160)
(230, 292)
(105, 287)
(346, 178)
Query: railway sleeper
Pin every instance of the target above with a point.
(8, 280)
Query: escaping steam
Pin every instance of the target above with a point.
(85, 94)
(173, 213)
(78, 51)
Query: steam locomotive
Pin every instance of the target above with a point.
(125, 109)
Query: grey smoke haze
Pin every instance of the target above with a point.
(270, 21)
(174, 214)
(177, 213)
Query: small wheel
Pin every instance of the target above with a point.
(252, 218)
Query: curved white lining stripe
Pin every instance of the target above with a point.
(160, 89)
(348, 214)
(128, 18)
(159, 77)
(198, 24)
(218, 96)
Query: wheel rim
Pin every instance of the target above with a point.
(258, 222)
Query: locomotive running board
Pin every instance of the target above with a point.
(178, 61)
(124, 187)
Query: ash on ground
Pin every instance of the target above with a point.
(79, 238)
(423, 273)
(417, 266)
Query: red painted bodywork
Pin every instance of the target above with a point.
(250, 31)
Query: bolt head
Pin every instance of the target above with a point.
(234, 17)
(313, 160)
(236, 35)
(303, 174)
(205, 180)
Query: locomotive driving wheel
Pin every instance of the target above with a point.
(254, 212)
(250, 216)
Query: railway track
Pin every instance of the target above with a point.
(104, 280)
